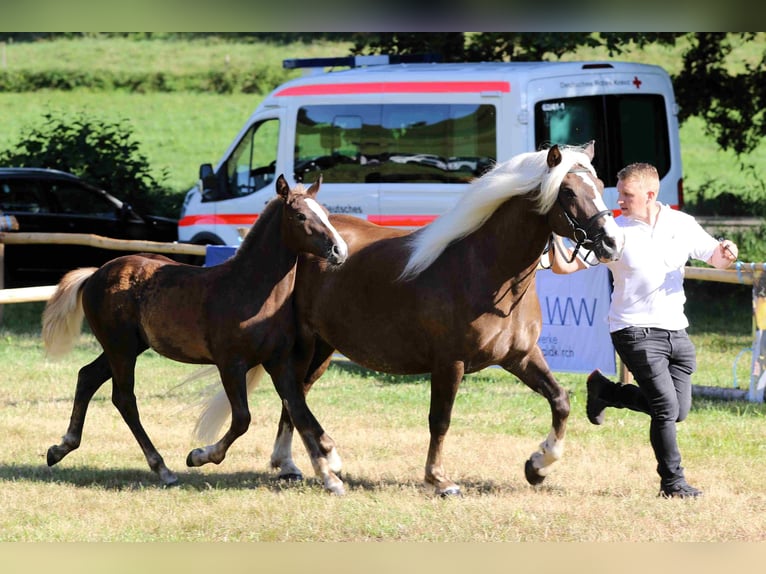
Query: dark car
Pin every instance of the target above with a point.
(45, 200)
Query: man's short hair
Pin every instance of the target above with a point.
(639, 170)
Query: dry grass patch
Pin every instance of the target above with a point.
(604, 489)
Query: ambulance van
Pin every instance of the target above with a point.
(397, 144)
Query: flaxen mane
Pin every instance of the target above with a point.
(519, 175)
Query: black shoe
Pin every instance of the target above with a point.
(681, 490)
(595, 405)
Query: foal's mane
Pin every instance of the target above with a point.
(269, 213)
(521, 174)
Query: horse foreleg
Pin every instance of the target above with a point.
(535, 373)
(281, 456)
(319, 445)
(89, 380)
(445, 381)
(124, 399)
(234, 383)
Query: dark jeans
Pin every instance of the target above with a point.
(662, 363)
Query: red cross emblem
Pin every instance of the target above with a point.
(636, 82)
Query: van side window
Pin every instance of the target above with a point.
(252, 164)
(395, 143)
(627, 129)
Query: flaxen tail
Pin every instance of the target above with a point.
(63, 315)
(216, 409)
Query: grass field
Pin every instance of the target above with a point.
(105, 492)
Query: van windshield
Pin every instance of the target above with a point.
(627, 129)
(395, 143)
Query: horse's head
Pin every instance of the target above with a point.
(580, 212)
(305, 225)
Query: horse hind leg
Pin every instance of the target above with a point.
(89, 380)
(537, 376)
(445, 381)
(124, 399)
(236, 388)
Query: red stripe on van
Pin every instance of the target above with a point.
(394, 87)
(401, 220)
(224, 219)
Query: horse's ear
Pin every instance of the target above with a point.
(589, 149)
(314, 189)
(282, 188)
(554, 156)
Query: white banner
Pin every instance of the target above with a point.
(575, 336)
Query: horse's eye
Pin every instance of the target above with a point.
(300, 216)
(568, 193)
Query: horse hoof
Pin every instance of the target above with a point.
(337, 489)
(170, 482)
(192, 458)
(291, 477)
(531, 474)
(53, 457)
(450, 492)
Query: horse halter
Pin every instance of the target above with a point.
(581, 232)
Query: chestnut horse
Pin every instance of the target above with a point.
(451, 298)
(235, 315)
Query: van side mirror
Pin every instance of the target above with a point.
(205, 171)
(208, 184)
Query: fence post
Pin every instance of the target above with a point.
(7, 223)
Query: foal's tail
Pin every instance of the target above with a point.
(217, 409)
(63, 315)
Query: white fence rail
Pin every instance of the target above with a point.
(43, 293)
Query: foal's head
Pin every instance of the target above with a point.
(580, 212)
(305, 225)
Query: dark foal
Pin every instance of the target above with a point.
(235, 316)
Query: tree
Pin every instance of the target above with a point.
(100, 152)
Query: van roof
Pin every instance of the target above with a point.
(463, 72)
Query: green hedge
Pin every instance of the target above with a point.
(259, 80)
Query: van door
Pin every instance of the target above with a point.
(243, 184)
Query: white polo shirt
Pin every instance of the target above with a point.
(648, 278)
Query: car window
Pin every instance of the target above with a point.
(22, 196)
(73, 199)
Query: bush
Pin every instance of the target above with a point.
(102, 153)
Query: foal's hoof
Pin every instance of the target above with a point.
(531, 474)
(291, 477)
(54, 455)
(170, 481)
(194, 458)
